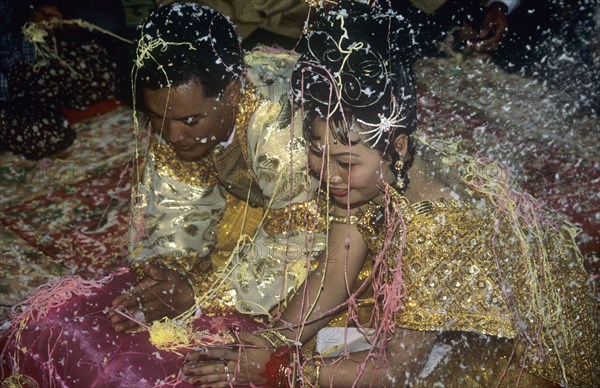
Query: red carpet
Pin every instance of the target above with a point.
(83, 226)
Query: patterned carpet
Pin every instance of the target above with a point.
(68, 214)
(551, 150)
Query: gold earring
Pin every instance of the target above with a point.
(400, 184)
(399, 166)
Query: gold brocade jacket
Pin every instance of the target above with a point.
(234, 221)
(482, 283)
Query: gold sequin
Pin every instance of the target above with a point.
(295, 217)
(197, 173)
(246, 109)
(438, 285)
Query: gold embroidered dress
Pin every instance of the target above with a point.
(462, 272)
(230, 219)
(503, 294)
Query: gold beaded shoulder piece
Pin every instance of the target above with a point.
(371, 216)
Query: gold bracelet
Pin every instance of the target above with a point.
(311, 373)
(274, 337)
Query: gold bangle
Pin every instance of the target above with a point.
(274, 337)
(317, 375)
(311, 373)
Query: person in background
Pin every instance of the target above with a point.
(266, 22)
(33, 89)
(475, 27)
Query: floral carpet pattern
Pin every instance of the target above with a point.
(66, 214)
(69, 213)
(551, 150)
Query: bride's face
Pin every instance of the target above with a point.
(353, 173)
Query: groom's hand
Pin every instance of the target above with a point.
(162, 293)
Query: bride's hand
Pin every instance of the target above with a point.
(241, 363)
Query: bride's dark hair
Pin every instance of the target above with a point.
(351, 72)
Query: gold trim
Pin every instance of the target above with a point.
(351, 220)
(200, 173)
(246, 109)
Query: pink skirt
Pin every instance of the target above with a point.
(74, 345)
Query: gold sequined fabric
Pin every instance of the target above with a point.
(213, 296)
(233, 165)
(296, 216)
(196, 173)
(239, 219)
(464, 271)
(447, 267)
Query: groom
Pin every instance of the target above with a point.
(225, 164)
